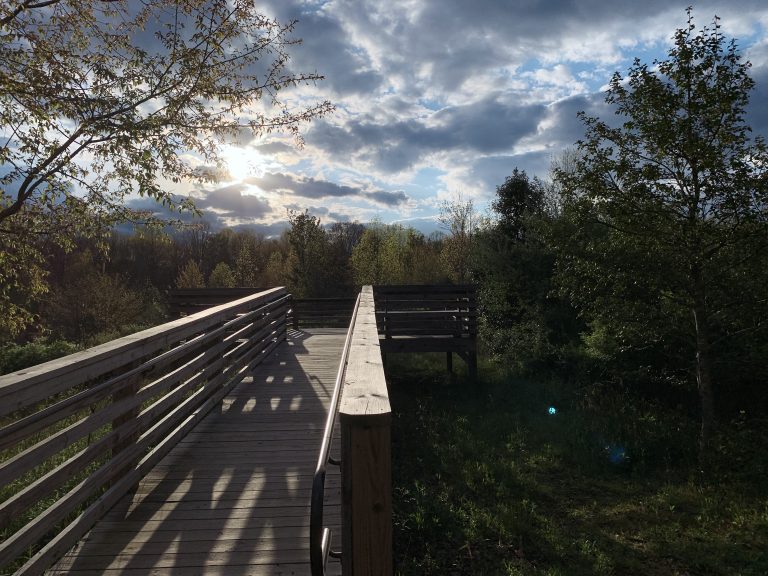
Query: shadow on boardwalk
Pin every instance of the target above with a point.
(233, 497)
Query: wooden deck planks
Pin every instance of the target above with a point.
(232, 497)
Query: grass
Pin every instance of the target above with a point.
(487, 481)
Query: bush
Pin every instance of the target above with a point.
(15, 357)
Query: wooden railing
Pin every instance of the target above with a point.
(307, 312)
(79, 432)
(429, 318)
(322, 312)
(320, 535)
(366, 470)
(186, 301)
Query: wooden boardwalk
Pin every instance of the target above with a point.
(233, 497)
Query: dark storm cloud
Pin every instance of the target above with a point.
(489, 125)
(327, 48)
(491, 171)
(757, 111)
(564, 125)
(440, 45)
(388, 198)
(316, 189)
(230, 202)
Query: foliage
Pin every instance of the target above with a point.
(90, 301)
(517, 199)
(23, 281)
(275, 273)
(393, 254)
(487, 481)
(523, 323)
(368, 257)
(342, 238)
(190, 276)
(669, 209)
(308, 255)
(222, 277)
(102, 100)
(15, 357)
(246, 267)
(459, 218)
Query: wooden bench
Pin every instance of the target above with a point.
(429, 318)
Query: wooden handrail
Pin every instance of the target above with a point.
(98, 420)
(319, 535)
(366, 467)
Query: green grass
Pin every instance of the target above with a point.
(486, 481)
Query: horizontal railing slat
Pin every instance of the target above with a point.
(31, 385)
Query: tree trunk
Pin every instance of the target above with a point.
(704, 372)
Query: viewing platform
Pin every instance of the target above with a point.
(239, 440)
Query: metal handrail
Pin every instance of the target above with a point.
(319, 536)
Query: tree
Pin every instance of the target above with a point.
(459, 218)
(246, 268)
(523, 323)
(670, 206)
(190, 276)
(222, 276)
(102, 99)
(90, 302)
(384, 255)
(275, 272)
(308, 255)
(516, 199)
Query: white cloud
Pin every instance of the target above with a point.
(461, 91)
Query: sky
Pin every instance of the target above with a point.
(441, 99)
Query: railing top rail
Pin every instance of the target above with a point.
(365, 394)
(81, 366)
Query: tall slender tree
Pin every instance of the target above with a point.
(671, 204)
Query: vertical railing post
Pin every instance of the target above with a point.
(365, 418)
(128, 390)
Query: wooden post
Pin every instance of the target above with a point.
(449, 361)
(128, 390)
(366, 496)
(365, 418)
(295, 313)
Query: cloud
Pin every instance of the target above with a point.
(229, 202)
(388, 198)
(315, 189)
(328, 48)
(434, 96)
(494, 123)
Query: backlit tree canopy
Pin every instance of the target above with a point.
(102, 99)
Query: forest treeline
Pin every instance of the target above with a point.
(538, 311)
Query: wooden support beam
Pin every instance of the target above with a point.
(365, 417)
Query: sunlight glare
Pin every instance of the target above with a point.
(240, 163)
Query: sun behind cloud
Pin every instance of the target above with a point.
(241, 163)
